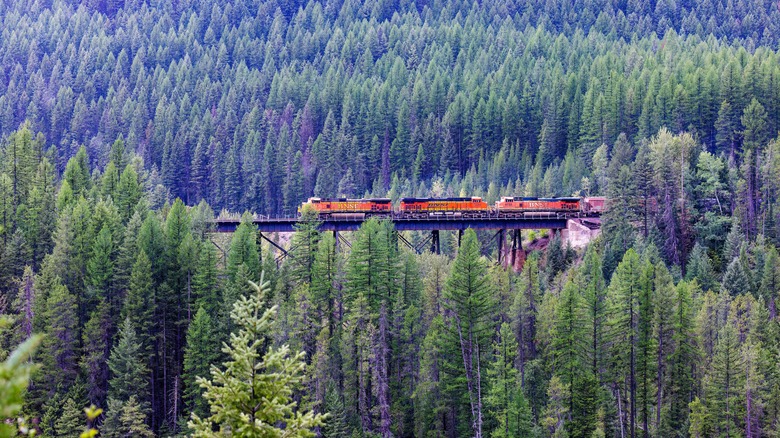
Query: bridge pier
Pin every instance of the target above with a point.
(336, 239)
(501, 235)
(518, 253)
(435, 244)
(460, 237)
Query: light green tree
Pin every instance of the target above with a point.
(253, 395)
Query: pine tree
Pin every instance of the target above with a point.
(469, 301)
(77, 173)
(243, 250)
(96, 341)
(367, 263)
(735, 282)
(524, 311)
(138, 307)
(699, 267)
(723, 384)
(623, 302)
(595, 308)
(199, 354)
(267, 376)
(569, 345)
(663, 305)
(62, 338)
(71, 422)
(770, 279)
(336, 424)
(504, 399)
(128, 192)
(683, 357)
(304, 246)
(100, 266)
(325, 282)
(205, 283)
(125, 419)
(130, 376)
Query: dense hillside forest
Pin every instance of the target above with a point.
(128, 126)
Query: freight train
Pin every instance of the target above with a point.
(462, 207)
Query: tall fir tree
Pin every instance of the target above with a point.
(470, 306)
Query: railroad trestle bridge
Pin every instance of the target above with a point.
(509, 253)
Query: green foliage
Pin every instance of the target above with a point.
(504, 399)
(336, 423)
(244, 250)
(125, 419)
(199, 354)
(723, 385)
(15, 373)
(71, 422)
(254, 392)
(470, 305)
(130, 375)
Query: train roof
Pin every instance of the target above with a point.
(459, 199)
(377, 200)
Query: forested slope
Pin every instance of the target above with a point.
(126, 125)
(241, 102)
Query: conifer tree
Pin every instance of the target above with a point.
(125, 419)
(130, 376)
(325, 282)
(100, 266)
(699, 267)
(70, 423)
(623, 302)
(569, 345)
(683, 357)
(199, 354)
(61, 344)
(243, 250)
(367, 263)
(525, 309)
(735, 282)
(128, 192)
(139, 304)
(304, 246)
(724, 383)
(469, 301)
(77, 173)
(96, 342)
(266, 375)
(504, 399)
(770, 279)
(205, 282)
(336, 424)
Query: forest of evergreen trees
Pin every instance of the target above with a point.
(258, 105)
(127, 126)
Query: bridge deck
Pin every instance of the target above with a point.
(282, 225)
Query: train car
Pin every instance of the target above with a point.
(443, 207)
(593, 206)
(344, 208)
(510, 206)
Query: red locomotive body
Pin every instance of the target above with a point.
(343, 208)
(467, 207)
(455, 207)
(514, 205)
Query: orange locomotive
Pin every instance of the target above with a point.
(466, 207)
(443, 207)
(343, 208)
(510, 206)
